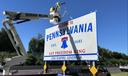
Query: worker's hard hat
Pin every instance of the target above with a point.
(52, 9)
(58, 4)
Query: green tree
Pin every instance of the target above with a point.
(36, 51)
(5, 43)
(107, 57)
(32, 60)
(6, 48)
(36, 47)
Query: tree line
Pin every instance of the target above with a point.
(36, 52)
(6, 48)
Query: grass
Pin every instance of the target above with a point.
(120, 74)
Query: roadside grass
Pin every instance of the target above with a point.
(120, 74)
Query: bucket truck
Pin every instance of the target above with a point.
(20, 17)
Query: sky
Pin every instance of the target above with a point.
(112, 19)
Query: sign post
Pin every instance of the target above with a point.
(93, 69)
(45, 67)
(63, 68)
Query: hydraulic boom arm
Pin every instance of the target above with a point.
(20, 17)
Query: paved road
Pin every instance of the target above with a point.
(26, 70)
